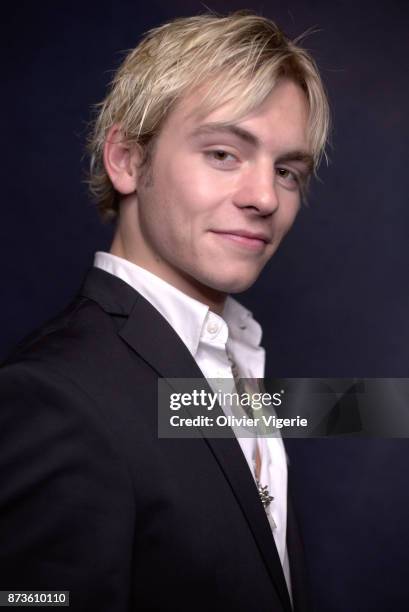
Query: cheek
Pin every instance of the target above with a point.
(197, 191)
(194, 184)
(289, 212)
(284, 220)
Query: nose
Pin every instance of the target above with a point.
(257, 190)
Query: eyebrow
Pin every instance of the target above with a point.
(252, 139)
(227, 128)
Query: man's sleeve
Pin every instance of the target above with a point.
(66, 498)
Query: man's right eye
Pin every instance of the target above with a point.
(221, 157)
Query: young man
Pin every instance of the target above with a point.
(201, 152)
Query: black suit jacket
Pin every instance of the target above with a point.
(92, 501)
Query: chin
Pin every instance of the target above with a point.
(235, 284)
(241, 286)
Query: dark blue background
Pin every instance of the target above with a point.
(334, 300)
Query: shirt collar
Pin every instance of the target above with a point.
(187, 316)
(242, 326)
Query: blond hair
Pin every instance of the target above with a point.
(239, 56)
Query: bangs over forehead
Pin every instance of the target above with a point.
(237, 58)
(242, 98)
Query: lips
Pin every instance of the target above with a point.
(245, 234)
(252, 240)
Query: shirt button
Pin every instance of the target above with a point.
(212, 327)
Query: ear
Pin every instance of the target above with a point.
(121, 160)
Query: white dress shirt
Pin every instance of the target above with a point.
(207, 336)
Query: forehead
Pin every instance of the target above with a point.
(281, 119)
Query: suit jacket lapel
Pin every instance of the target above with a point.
(295, 547)
(149, 334)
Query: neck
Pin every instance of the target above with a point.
(215, 300)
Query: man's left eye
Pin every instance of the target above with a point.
(287, 175)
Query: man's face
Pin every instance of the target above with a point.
(221, 195)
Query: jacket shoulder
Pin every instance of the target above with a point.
(78, 330)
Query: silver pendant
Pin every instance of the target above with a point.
(264, 493)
